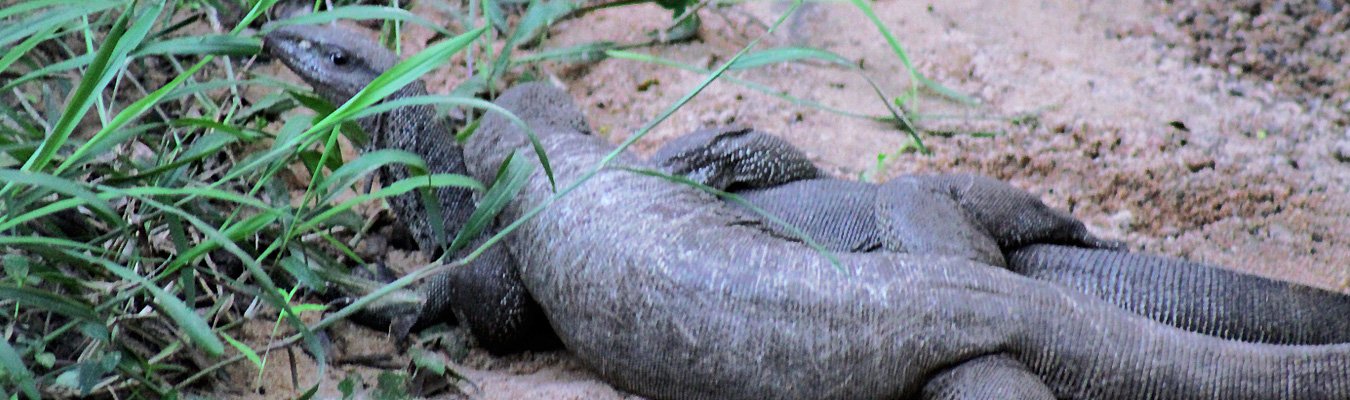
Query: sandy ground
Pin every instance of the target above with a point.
(1116, 122)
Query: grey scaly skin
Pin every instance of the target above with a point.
(981, 219)
(486, 294)
(669, 292)
(958, 215)
(1194, 296)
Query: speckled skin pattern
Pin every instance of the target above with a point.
(982, 219)
(670, 293)
(486, 295)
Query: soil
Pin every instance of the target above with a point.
(1168, 126)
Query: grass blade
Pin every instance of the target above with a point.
(511, 177)
(788, 54)
(228, 45)
(398, 76)
(353, 170)
(899, 51)
(59, 185)
(17, 372)
(28, 44)
(67, 306)
(732, 197)
(111, 55)
(27, 6)
(758, 87)
(357, 13)
(193, 325)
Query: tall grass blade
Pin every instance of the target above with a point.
(21, 7)
(63, 65)
(66, 306)
(758, 87)
(28, 44)
(226, 45)
(732, 197)
(59, 185)
(57, 17)
(124, 36)
(788, 54)
(358, 12)
(193, 325)
(352, 171)
(16, 371)
(604, 162)
(511, 177)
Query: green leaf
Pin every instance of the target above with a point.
(582, 53)
(127, 115)
(392, 386)
(16, 371)
(14, 30)
(206, 146)
(533, 25)
(947, 92)
(676, 6)
(468, 102)
(758, 87)
(393, 189)
(63, 65)
(348, 386)
(16, 268)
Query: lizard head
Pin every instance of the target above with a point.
(706, 156)
(336, 61)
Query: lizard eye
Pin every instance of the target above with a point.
(338, 58)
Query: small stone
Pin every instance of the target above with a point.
(1195, 163)
(1122, 220)
(1341, 151)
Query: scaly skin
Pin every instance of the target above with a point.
(486, 295)
(972, 217)
(1194, 296)
(668, 292)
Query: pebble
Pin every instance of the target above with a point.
(1341, 151)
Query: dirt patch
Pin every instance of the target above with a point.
(1299, 46)
(1176, 146)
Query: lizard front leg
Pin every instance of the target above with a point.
(735, 158)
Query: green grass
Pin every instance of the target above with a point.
(146, 201)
